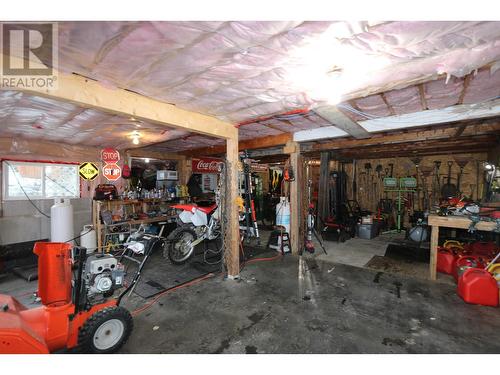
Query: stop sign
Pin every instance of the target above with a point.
(112, 171)
(110, 156)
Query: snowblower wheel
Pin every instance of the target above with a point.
(105, 331)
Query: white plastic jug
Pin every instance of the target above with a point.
(88, 238)
(283, 213)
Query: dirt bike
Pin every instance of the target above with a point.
(195, 225)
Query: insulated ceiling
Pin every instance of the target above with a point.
(239, 71)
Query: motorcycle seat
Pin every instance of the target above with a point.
(208, 209)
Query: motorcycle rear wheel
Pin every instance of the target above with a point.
(178, 246)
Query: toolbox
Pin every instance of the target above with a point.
(367, 231)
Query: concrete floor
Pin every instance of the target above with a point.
(312, 304)
(356, 251)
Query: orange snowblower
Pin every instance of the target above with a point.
(79, 310)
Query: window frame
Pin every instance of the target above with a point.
(38, 163)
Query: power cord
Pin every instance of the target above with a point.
(17, 180)
(193, 282)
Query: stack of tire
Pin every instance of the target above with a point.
(470, 265)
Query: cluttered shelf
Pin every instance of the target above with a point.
(132, 212)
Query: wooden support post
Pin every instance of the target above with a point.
(294, 150)
(183, 171)
(434, 246)
(233, 228)
(324, 171)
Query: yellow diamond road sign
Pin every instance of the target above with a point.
(88, 171)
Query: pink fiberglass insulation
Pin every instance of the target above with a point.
(243, 70)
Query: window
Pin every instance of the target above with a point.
(39, 180)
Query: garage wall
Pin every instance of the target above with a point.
(21, 222)
(403, 166)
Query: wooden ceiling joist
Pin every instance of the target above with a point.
(88, 93)
(423, 101)
(435, 133)
(251, 144)
(340, 120)
(389, 106)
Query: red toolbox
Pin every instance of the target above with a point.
(446, 259)
(478, 287)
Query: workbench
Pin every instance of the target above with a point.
(143, 204)
(458, 222)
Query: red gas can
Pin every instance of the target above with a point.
(464, 262)
(446, 259)
(477, 286)
(484, 249)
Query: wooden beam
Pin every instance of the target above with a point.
(88, 93)
(409, 136)
(467, 80)
(232, 250)
(459, 131)
(250, 144)
(423, 101)
(341, 121)
(324, 174)
(389, 106)
(481, 142)
(144, 153)
(293, 149)
(433, 246)
(35, 149)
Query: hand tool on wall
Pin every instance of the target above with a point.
(354, 182)
(477, 181)
(416, 160)
(368, 168)
(448, 190)
(426, 172)
(472, 186)
(436, 184)
(461, 163)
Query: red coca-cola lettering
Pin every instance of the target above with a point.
(206, 165)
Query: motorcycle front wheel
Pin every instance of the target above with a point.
(178, 247)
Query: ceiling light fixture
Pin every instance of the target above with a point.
(135, 137)
(146, 160)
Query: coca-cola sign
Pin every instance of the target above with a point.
(206, 165)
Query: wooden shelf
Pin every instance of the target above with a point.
(458, 222)
(136, 201)
(98, 205)
(150, 220)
